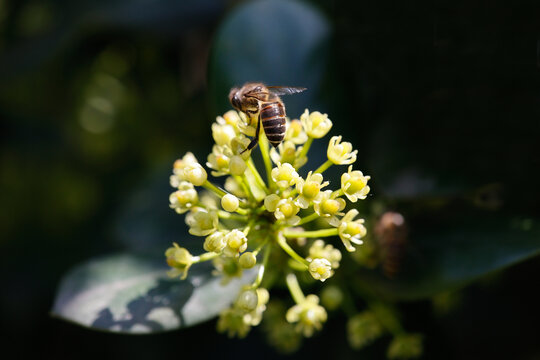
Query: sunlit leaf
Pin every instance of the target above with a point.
(133, 294)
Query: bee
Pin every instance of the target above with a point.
(263, 102)
(392, 235)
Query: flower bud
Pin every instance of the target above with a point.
(223, 133)
(215, 242)
(320, 269)
(195, 174)
(236, 243)
(230, 202)
(183, 199)
(247, 260)
(332, 297)
(237, 165)
(247, 300)
(180, 259)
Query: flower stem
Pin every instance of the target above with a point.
(294, 288)
(338, 192)
(262, 267)
(206, 256)
(213, 188)
(263, 144)
(323, 167)
(308, 218)
(283, 243)
(241, 180)
(311, 234)
(256, 174)
(228, 216)
(305, 148)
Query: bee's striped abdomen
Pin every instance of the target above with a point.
(273, 122)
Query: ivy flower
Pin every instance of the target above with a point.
(328, 206)
(283, 209)
(308, 315)
(320, 269)
(202, 222)
(340, 153)
(284, 175)
(287, 152)
(315, 124)
(180, 260)
(325, 251)
(184, 198)
(219, 160)
(309, 189)
(178, 168)
(351, 230)
(354, 185)
(295, 133)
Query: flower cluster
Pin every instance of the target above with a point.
(252, 216)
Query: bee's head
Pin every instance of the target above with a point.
(234, 98)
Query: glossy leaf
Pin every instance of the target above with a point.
(446, 257)
(132, 294)
(277, 42)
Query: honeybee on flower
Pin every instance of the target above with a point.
(257, 213)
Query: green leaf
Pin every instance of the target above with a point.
(132, 294)
(446, 257)
(277, 42)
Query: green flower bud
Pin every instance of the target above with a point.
(247, 260)
(230, 202)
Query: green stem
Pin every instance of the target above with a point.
(294, 288)
(311, 234)
(249, 226)
(289, 250)
(205, 257)
(241, 180)
(338, 192)
(228, 216)
(323, 167)
(213, 188)
(305, 148)
(262, 268)
(256, 174)
(263, 144)
(308, 218)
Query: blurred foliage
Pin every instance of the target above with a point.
(98, 97)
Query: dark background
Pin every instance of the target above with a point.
(441, 98)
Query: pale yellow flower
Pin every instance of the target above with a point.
(184, 199)
(202, 222)
(340, 153)
(316, 124)
(351, 230)
(328, 207)
(354, 185)
(308, 315)
(309, 189)
(284, 175)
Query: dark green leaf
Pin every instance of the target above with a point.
(445, 257)
(132, 294)
(277, 42)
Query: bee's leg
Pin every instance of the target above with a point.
(255, 140)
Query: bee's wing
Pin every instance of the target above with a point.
(285, 90)
(257, 93)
